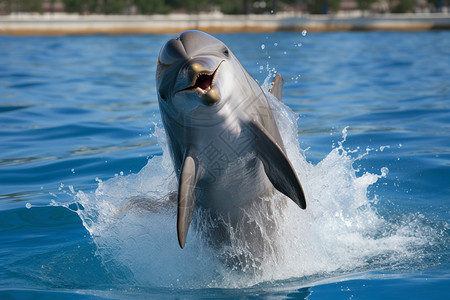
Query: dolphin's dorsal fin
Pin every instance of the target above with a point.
(277, 87)
(277, 165)
(186, 195)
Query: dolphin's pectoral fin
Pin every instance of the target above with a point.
(277, 87)
(186, 196)
(277, 165)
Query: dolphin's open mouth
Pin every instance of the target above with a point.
(203, 81)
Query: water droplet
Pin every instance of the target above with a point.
(261, 68)
(263, 46)
(304, 32)
(28, 205)
(275, 44)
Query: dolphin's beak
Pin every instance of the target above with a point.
(202, 79)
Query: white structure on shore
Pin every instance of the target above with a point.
(56, 24)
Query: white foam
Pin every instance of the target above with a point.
(340, 231)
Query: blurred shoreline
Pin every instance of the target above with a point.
(67, 24)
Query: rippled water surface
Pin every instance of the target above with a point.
(81, 135)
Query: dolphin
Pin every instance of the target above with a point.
(224, 142)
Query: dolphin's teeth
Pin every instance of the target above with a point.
(203, 81)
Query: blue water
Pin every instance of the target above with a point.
(81, 137)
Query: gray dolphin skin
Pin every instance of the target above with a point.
(224, 141)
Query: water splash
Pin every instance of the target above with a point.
(132, 221)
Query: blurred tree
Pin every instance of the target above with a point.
(234, 6)
(22, 5)
(334, 5)
(5, 6)
(364, 5)
(401, 6)
(96, 6)
(112, 7)
(439, 3)
(80, 6)
(196, 6)
(31, 5)
(151, 7)
(323, 6)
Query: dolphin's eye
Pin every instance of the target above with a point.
(162, 96)
(226, 52)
